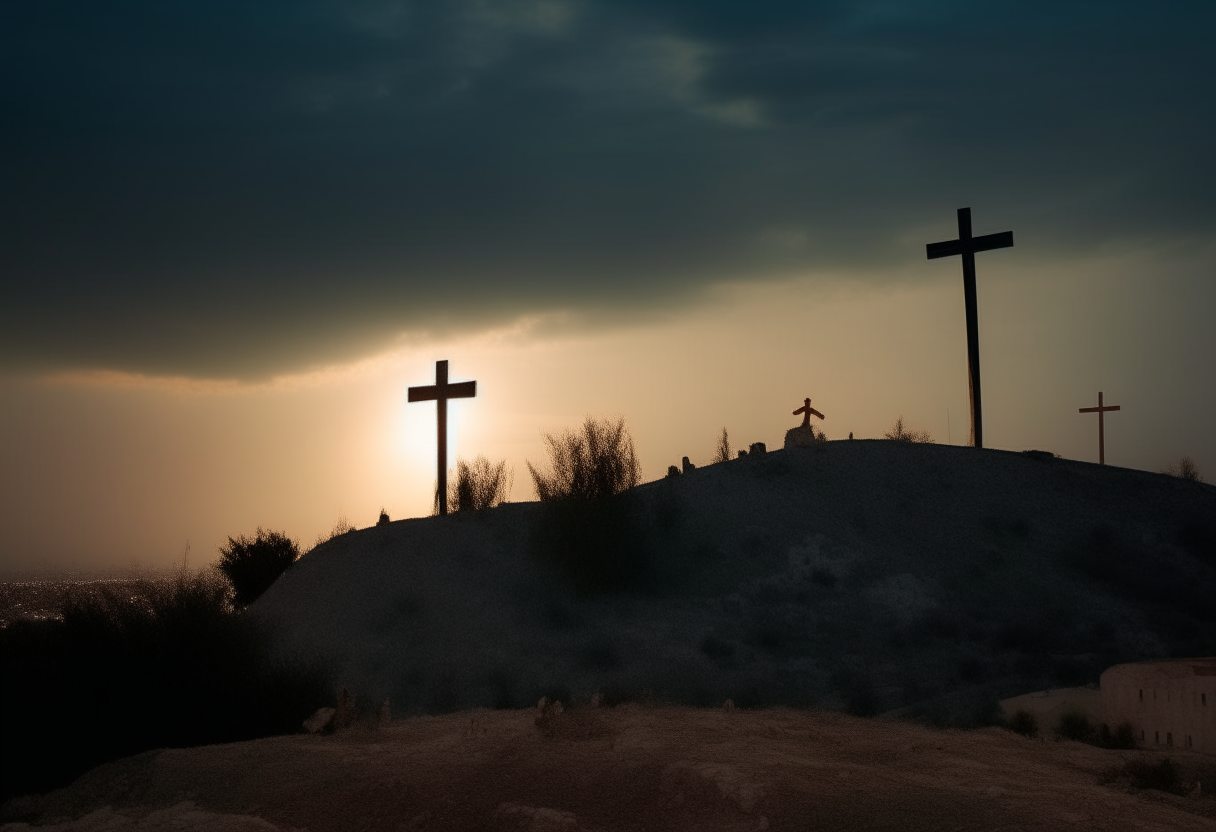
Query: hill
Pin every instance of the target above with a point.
(924, 581)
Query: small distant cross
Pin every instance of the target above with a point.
(806, 410)
(1100, 409)
(440, 392)
(967, 246)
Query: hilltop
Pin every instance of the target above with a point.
(870, 576)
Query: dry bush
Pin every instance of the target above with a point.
(478, 484)
(598, 462)
(1184, 469)
(341, 527)
(252, 564)
(900, 433)
(722, 451)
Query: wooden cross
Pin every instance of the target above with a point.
(440, 392)
(806, 410)
(1101, 431)
(967, 246)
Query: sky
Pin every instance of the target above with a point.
(232, 234)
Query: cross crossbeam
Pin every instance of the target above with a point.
(440, 392)
(966, 246)
(1100, 410)
(807, 411)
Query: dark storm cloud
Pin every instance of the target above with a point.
(224, 188)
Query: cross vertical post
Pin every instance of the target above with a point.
(1100, 410)
(440, 392)
(966, 246)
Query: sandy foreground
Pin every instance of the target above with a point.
(626, 768)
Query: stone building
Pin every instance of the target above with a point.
(1168, 703)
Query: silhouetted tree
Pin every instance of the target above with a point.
(900, 433)
(598, 462)
(722, 453)
(252, 564)
(1185, 469)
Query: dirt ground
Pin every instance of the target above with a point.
(627, 768)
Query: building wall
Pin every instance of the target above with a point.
(1169, 704)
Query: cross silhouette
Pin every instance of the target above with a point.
(1101, 429)
(806, 410)
(440, 392)
(967, 246)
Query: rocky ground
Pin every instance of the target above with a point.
(868, 576)
(632, 767)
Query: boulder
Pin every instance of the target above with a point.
(321, 721)
(803, 436)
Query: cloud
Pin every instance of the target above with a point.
(227, 189)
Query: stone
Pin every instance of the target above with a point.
(756, 449)
(803, 436)
(673, 471)
(321, 721)
(687, 466)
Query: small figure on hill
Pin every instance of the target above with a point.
(673, 471)
(806, 410)
(804, 435)
(687, 466)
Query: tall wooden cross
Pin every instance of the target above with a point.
(1100, 409)
(440, 392)
(806, 410)
(967, 246)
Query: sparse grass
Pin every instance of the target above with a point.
(478, 484)
(341, 526)
(1184, 469)
(157, 664)
(598, 462)
(722, 450)
(900, 433)
(252, 564)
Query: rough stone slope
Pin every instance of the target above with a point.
(870, 576)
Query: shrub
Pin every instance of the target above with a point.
(252, 564)
(1074, 726)
(1123, 737)
(1142, 774)
(478, 484)
(1184, 469)
(722, 452)
(383, 520)
(1024, 723)
(900, 433)
(158, 664)
(598, 462)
